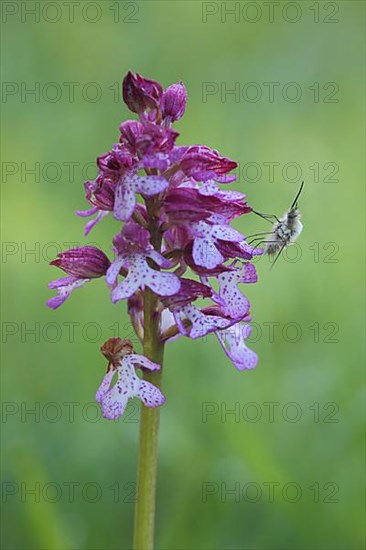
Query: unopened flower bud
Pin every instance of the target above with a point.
(85, 262)
(173, 101)
(140, 93)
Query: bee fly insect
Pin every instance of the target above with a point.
(285, 230)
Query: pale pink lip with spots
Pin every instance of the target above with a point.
(173, 226)
(113, 398)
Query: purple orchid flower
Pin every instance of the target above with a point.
(233, 343)
(206, 236)
(233, 303)
(128, 185)
(176, 228)
(81, 264)
(123, 362)
(133, 251)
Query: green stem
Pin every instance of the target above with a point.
(149, 420)
(149, 426)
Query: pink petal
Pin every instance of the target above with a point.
(104, 387)
(163, 284)
(233, 344)
(226, 233)
(159, 259)
(92, 223)
(205, 253)
(114, 269)
(150, 395)
(179, 317)
(87, 213)
(233, 303)
(150, 185)
(128, 286)
(127, 377)
(125, 200)
(249, 273)
(201, 324)
(64, 287)
(142, 361)
(114, 403)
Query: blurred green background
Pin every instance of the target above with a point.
(314, 295)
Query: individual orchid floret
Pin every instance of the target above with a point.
(141, 93)
(119, 167)
(233, 343)
(205, 250)
(190, 320)
(233, 303)
(173, 102)
(100, 194)
(122, 361)
(148, 140)
(201, 322)
(84, 262)
(202, 164)
(81, 264)
(133, 250)
(201, 270)
(128, 185)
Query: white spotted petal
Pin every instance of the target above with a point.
(114, 399)
(233, 343)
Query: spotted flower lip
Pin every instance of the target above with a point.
(126, 189)
(232, 302)
(233, 342)
(114, 398)
(206, 236)
(133, 251)
(201, 321)
(202, 270)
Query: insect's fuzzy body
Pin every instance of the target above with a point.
(285, 231)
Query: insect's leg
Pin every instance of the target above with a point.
(267, 217)
(259, 244)
(260, 233)
(259, 240)
(255, 235)
(279, 254)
